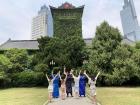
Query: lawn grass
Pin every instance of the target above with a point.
(38, 96)
(23, 96)
(118, 96)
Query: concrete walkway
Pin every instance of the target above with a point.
(72, 101)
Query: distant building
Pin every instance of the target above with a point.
(129, 20)
(27, 44)
(20, 44)
(128, 41)
(88, 41)
(67, 20)
(42, 24)
(30, 45)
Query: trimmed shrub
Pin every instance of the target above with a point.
(4, 80)
(29, 79)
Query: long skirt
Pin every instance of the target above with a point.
(69, 87)
(55, 90)
(82, 86)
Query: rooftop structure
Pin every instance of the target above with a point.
(28, 44)
(20, 44)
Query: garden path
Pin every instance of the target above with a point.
(72, 101)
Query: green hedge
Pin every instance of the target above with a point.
(5, 82)
(28, 79)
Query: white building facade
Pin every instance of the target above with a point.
(41, 24)
(129, 21)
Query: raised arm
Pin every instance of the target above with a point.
(87, 75)
(73, 74)
(60, 76)
(79, 74)
(64, 70)
(97, 75)
(66, 77)
(47, 77)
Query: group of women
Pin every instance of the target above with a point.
(68, 80)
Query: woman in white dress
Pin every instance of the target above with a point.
(50, 87)
(92, 82)
(76, 86)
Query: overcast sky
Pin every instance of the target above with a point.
(16, 15)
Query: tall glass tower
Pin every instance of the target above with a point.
(129, 20)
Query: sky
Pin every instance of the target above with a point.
(16, 15)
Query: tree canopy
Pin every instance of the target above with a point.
(118, 62)
(106, 40)
(68, 52)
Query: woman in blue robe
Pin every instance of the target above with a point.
(82, 85)
(56, 87)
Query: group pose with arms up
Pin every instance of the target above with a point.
(70, 84)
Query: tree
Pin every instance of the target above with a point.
(18, 58)
(5, 64)
(41, 68)
(52, 49)
(106, 40)
(137, 46)
(67, 52)
(124, 67)
(136, 58)
(119, 62)
(75, 48)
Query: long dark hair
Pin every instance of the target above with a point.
(92, 77)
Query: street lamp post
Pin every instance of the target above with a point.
(52, 63)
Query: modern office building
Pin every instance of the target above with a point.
(42, 24)
(39, 23)
(129, 20)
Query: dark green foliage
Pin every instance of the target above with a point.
(67, 22)
(52, 49)
(105, 42)
(41, 68)
(76, 50)
(28, 79)
(137, 45)
(118, 62)
(16, 70)
(5, 64)
(68, 27)
(18, 58)
(67, 52)
(125, 68)
(4, 80)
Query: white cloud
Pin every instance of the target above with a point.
(16, 15)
